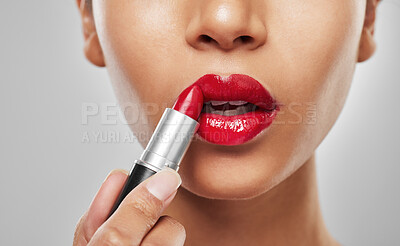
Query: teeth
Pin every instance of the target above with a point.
(230, 112)
(233, 103)
(218, 103)
(237, 103)
(242, 109)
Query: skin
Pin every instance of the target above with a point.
(303, 52)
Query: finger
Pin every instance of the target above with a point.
(169, 199)
(100, 206)
(167, 231)
(79, 236)
(139, 211)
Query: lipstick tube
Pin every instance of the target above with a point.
(166, 148)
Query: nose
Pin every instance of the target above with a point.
(225, 25)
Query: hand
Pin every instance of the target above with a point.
(137, 220)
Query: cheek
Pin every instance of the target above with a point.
(135, 36)
(139, 45)
(315, 47)
(316, 44)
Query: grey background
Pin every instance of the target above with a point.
(48, 176)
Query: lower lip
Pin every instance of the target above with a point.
(236, 129)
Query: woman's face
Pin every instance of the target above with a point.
(303, 52)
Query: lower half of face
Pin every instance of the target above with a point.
(305, 58)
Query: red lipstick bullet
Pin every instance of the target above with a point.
(190, 102)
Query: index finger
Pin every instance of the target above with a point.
(100, 207)
(139, 211)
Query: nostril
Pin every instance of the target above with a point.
(225, 43)
(246, 39)
(205, 38)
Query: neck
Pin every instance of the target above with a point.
(288, 214)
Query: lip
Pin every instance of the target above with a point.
(241, 128)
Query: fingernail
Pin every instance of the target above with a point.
(164, 183)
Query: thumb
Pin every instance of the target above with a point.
(140, 209)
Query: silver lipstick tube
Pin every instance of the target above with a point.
(166, 148)
(169, 142)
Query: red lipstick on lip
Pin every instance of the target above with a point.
(240, 128)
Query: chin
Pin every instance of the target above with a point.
(229, 177)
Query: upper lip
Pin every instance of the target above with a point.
(236, 87)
